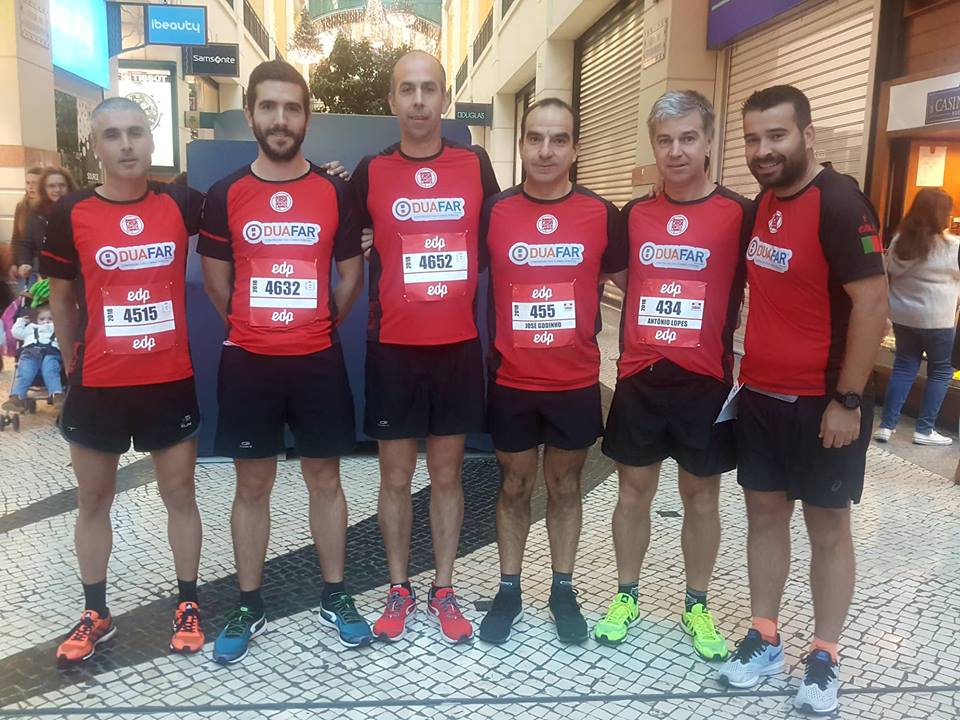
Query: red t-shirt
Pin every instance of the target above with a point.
(129, 261)
(425, 213)
(545, 259)
(280, 237)
(685, 282)
(803, 250)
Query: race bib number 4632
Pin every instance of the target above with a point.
(283, 293)
(138, 318)
(543, 315)
(435, 266)
(671, 312)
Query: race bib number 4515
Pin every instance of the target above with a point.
(435, 266)
(671, 312)
(138, 318)
(543, 315)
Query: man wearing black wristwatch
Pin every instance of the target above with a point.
(818, 303)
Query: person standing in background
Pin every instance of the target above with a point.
(52, 184)
(924, 272)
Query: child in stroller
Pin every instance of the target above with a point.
(39, 353)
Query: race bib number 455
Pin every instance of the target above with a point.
(671, 312)
(138, 318)
(435, 266)
(544, 315)
(283, 293)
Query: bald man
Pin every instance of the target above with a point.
(424, 372)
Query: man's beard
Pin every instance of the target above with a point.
(794, 167)
(275, 156)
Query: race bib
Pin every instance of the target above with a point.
(138, 318)
(434, 266)
(671, 312)
(283, 293)
(544, 315)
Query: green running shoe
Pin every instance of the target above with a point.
(621, 614)
(709, 644)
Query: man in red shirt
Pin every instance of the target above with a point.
(424, 370)
(116, 258)
(684, 283)
(547, 242)
(818, 305)
(269, 234)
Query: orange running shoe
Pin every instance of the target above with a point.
(187, 635)
(393, 623)
(82, 641)
(443, 608)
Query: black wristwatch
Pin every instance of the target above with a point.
(849, 400)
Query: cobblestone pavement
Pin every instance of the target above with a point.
(901, 656)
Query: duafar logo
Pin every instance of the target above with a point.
(137, 257)
(428, 209)
(522, 253)
(281, 201)
(547, 224)
(677, 225)
(131, 225)
(769, 256)
(281, 233)
(425, 178)
(675, 257)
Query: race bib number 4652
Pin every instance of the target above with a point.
(283, 293)
(671, 312)
(435, 266)
(543, 315)
(138, 318)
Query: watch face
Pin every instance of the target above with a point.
(851, 401)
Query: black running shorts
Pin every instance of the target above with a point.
(261, 394)
(417, 390)
(155, 417)
(779, 450)
(666, 411)
(522, 419)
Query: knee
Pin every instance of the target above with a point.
(828, 530)
(178, 496)
(254, 490)
(635, 495)
(769, 514)
(564, 488)
(323, 484)
(700, 498)
(95, 501)
(396, 479)
(516, 488)
(444, 476)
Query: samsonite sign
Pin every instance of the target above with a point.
(219, 59)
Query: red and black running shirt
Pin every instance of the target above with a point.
(685, 278)
(128, 261)
(425, 214)
(280, 237)
(803, 250)
(545, 259)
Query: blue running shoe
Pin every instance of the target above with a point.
(341, 614)
(753, 658)
(242, 627)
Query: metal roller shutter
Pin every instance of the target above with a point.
(826, 53)
(608, 92)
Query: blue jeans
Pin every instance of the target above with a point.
(912, 343)
(30, 363)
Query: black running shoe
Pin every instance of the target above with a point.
(565, 611)
(506, 611)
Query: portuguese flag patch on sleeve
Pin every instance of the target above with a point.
(870, 240)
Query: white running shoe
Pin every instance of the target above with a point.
(883, 434)
(753, 659)
(933, 438)
(818, 691)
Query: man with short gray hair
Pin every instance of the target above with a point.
(683, 282)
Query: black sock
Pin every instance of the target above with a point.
(694, 597)
(251, 600)
(187, 591)
(562, 580)
(629, 589)
(405, 585)
(434, 588)
(331, 588)
(95, 598)
(510, 584)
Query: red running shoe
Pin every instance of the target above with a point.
(393, 623)
(82, 641)
(454, 627)
(187, 635)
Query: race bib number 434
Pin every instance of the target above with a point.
(671, 312)
(283, 293)
(544, 315)
(435, 266)
(138, 318)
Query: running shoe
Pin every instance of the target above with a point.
(753, 658)
(454, 627)
(931, 438)
(341, 614)
(82, 641)
(621, 614)
(883, 434)
(233, 641)
(393, 623)
(709, 644)
(818, 691)
(187, 635)
(505, 612)
(565, 611)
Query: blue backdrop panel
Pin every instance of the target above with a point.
(346, 138)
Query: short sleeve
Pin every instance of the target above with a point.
(346, 243)
(616, 256)
(360, 184)
(58, 257)
(215, 240)
(488, 178)
(848, 234)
